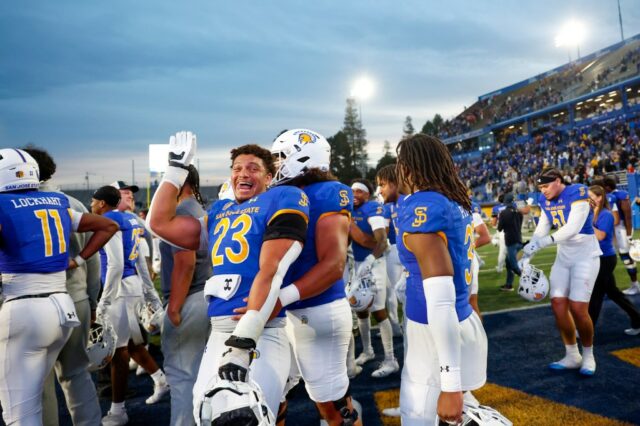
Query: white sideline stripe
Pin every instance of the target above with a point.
(521, 308)
(494, 269)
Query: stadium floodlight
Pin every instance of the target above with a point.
(571, 35)
(363, 88)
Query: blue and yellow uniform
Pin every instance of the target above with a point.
(361, 217)
(429, 212)
(235, 235)
(616, 197)
(558, 209)
(475, 208)
(389, 211)
(130, 233)
(495, 211)
(325, 198)
(35, 232)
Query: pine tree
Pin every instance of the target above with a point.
(356, 138)
(408, 129)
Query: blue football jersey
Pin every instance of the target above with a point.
(387, 211)
(235, 233)
(495, 211)
(35, 232)
(429, 212)
(618, 196)
(130, 234)
(325, 198)
(361, 216)
(475, 208)
(558, 209)
(605, 224)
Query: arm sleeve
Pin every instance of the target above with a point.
(115, 267)
(93, 279)
(543, 227)
(575, 222)
(76, 217)
(148, 289)
(377, 222)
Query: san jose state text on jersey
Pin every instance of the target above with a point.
(428, 212)
(325, 198)
(38, 224)
(235, 232)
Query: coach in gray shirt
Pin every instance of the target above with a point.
(186, 324)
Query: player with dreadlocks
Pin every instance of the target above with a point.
(447, 345)
(186, 326)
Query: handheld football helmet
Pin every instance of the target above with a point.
(150, 317)
(226, 191)
(235, 403)
(495, 240)
(297, 151)
(360, 292)
(534, 285)
(101, 345)
(18, 170)
(479, 415)
(634, 250)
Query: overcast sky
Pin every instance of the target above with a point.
(96, 82)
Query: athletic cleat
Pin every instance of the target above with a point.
(159, 390)
(353, 372)
(112, 419)
(633, 290)
(365, 357)
(567, 363)
(391, 412)
(386, 367)
(588, 366)
(632, 331)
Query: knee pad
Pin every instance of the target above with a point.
(349, 417)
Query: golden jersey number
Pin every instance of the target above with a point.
(240, 226)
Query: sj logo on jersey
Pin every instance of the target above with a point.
(304, 200)
(421, 216)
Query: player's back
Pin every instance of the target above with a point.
(433, 213)
(325, 198)
(361, 217)
(35, 238)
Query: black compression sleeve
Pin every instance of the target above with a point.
(288, 225)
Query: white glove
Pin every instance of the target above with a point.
(182, 149)
(235, 361)
(101, 310)
(537, 244)
(366, 265)
(524, 262)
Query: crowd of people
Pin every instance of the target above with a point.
(260, 291)
(581, 154)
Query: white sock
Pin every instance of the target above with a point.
(386, 333)
(587, 351)
(572, 350)
(351, 354)
(117, 408)
(158, 377)
(635, 284)
(364, 324)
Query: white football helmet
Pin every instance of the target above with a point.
(150, 317)
(298, 151)
(634, 250)
(101, 345)
(480, 415)
(18, 170)
(235, 403)
(226, 191)
(360, 292)
(534, 285)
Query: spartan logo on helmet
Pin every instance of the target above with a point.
(306, 137)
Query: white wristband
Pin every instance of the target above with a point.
(175, 176)
(289, 294)
(79, 260)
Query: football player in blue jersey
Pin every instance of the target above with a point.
(386, 180)
(121, 295)
(318, 314)
(369, 242)
(575, 268)
(252, 240)
(447, 345)
(623, 229)
(38, 314)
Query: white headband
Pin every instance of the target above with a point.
(360, 186)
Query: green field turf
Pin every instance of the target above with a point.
(492, 299)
